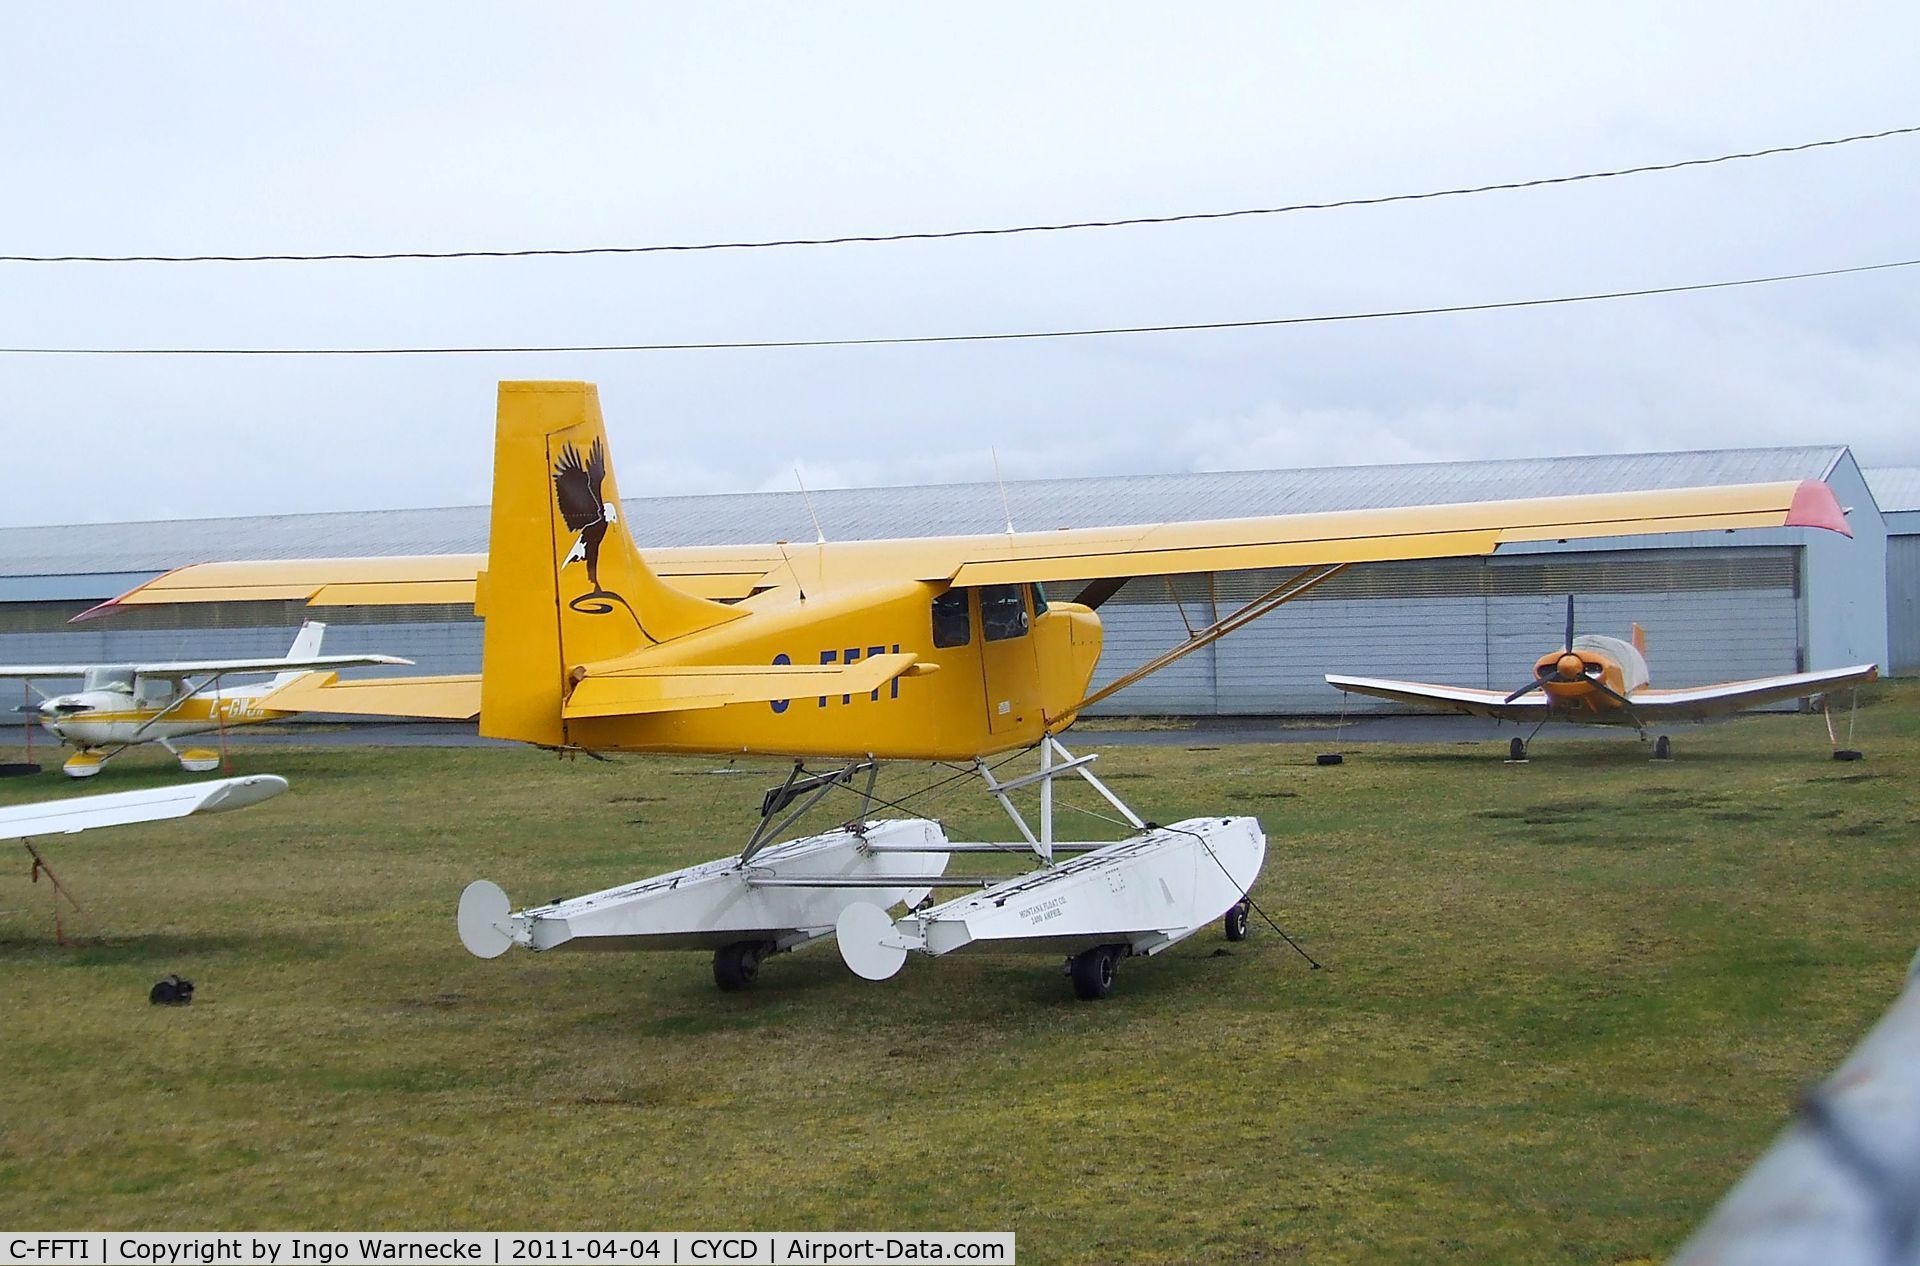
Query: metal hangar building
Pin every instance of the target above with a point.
(1714, 605)
(1897, 490)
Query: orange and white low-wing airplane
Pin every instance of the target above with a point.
(856, 652)
(121, 705)
(1596, 680)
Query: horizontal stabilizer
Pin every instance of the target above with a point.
(121, 808)
(631, 691)
(455, 698)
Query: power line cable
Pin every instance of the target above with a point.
(1000, 337)
(947, 234)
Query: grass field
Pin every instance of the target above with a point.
(1564, 1006)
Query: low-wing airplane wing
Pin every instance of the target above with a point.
(1695, 703)
(202, 667)
(1644, 706)
(1485, 703)
(449, 698)
(120, 808)
(1070, 554)
(618, 692)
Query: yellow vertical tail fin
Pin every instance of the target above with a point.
(564, 584)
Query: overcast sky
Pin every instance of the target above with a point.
(254, 128)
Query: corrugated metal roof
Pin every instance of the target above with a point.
(920, 510)
(1896, 489)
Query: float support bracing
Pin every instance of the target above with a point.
(1050, 747)
(799, 793)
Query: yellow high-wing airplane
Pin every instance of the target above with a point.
(122, 705)
(934, 649)
(940, 648)
(1597, 680)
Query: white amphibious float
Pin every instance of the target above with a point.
(1100, 903)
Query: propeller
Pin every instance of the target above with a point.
(1571, 667)
(55, 707)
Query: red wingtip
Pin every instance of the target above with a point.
(98, 609)
(103, 608)
(1815, 506)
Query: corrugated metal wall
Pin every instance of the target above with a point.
(1903, 603)
(1710, 614)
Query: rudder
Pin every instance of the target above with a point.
(564, 584)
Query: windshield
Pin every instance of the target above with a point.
(115, 677)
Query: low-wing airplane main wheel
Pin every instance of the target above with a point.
(1663, 748)
(1093, 971)
(736, 965)
(1237, 920)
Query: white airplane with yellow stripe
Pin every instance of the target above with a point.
(122, 705)
(854, 653)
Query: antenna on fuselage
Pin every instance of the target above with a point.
(1002, 485)
(792, 570)
(819, 533)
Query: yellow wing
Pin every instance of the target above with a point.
(403, 580)
(455, 698)
(1367, 536)
(1348, 536)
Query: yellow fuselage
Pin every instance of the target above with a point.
(987, 694)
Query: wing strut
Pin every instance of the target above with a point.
(1286, 591)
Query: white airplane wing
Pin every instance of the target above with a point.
(1486, 703)
(23, 672)
(265, 664)
(119, 808)
(1694, 703)
(201, 667)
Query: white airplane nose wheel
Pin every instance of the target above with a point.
(1237, 920)
(1093, 971)
(486, 919)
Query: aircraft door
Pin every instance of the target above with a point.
(1007, 659)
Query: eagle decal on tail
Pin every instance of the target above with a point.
(588, 514)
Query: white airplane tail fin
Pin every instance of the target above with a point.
(306, 645)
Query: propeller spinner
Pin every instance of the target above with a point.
(1568, 668)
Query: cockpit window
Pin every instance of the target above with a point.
(1039, 601)
(1003, 612)
(116, 678)
(952, 624)
(153, 692)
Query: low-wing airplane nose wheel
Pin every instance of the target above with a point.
(1238, 919)
(1663, 748)
(1093, 970)
(736, 965)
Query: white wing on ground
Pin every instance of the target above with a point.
(120, 808)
